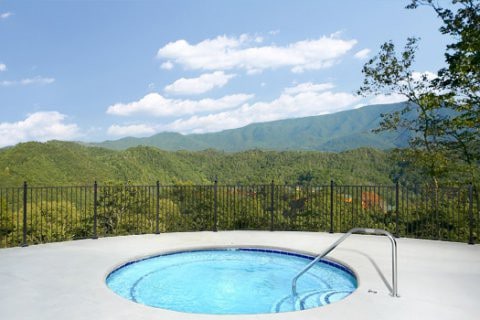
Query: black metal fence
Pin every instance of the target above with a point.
(31, 215)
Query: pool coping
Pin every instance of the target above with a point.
(67, 279)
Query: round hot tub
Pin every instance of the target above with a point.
(231, 281)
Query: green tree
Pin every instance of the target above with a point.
(52, 220)
(124, 209)
(190, 208)
(422, 116)
(442, 112)
(460, 79)
(7, 224)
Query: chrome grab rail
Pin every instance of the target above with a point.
(394, 292)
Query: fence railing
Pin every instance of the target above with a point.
(31, 215)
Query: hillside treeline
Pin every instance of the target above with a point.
(68, 163)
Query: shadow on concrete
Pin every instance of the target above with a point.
(375, 266)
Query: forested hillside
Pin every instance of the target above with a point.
(66, 163)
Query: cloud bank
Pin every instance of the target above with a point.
(245, 52)
(286, 106)
(302, 100)
(39, 126)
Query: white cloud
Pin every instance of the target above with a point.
(225, 53)
(131, 130)
(385, 99)
(167, 65)
(156, 105)
(3, 67)
(27, 81)
(5, 15)
(362, 54)
(202, 84)
(420, 76)
(309, 87)
(300, 104)
(39, 126)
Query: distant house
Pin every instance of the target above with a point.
(373, 201)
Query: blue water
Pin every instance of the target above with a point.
(233, 281)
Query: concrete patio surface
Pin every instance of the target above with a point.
(436, 280)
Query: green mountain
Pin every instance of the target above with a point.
(66, 163)
(336, 132)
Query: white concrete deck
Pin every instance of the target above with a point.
(437, 280)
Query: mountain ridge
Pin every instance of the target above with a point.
(336, 132)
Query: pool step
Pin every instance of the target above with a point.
(309, 299)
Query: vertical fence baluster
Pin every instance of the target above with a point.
(215, 190)
(24, 237)
(396, 207)
(272, 208)
(470, 213)
(477, 211)
(15, 216)
(331, 205)
(95, 189)
(157, 209)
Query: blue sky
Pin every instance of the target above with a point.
(98, 70)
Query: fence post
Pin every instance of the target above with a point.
(470, 213)
(24, 237)
(272, 197)
(157, 209)
(397, 203)
(95, 187)
(331, 205)
(215, 190)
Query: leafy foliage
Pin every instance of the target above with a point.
(120, 207)
(442, 114)
(390, 72)
(460, 80)
(66, 163)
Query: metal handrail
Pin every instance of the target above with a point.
(394, 292)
